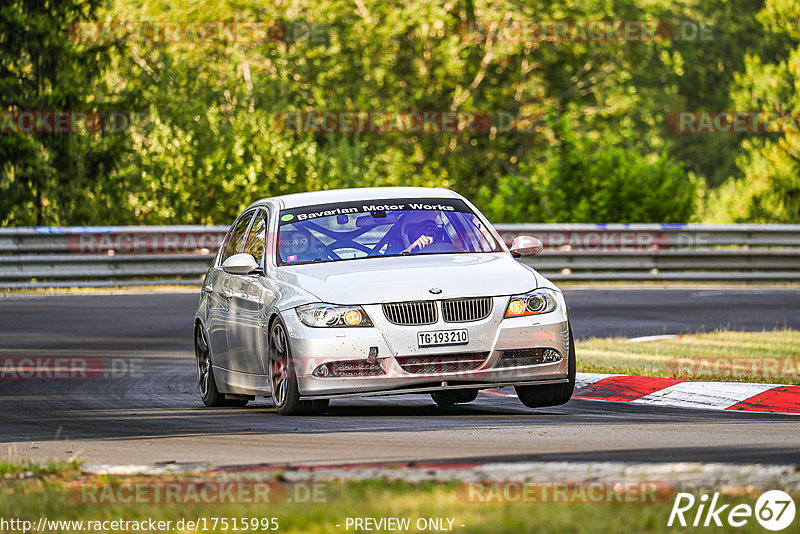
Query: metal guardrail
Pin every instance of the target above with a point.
(152, 255)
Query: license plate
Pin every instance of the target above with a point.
(443, 337)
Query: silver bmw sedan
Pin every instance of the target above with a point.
(377, 291)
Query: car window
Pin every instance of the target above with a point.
(470, 233)
(257, 238)
(390, 227)
(235, 237)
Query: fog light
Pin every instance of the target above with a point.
(551, 355)
(323, 371)
(349, 368)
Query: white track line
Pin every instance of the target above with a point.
(644, 339)
(710, 395)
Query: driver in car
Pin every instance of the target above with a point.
(420, 235)
(420, 230)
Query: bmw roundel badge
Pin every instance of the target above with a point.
(435, 290)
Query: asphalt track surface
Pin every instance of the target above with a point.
(156, 417)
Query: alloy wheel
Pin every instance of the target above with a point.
(279, 364)
(203, 360)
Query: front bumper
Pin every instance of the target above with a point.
(492, 337)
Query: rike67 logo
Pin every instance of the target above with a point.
(774, 510)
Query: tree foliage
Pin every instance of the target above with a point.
(585, 181)
(769, 190)
(583, 136)
(49, 178)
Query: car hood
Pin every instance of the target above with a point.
(405, 278)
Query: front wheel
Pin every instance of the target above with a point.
(551, 394)
(209, 393)
(283, 379)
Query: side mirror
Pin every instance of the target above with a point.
(526, 245)
(240, 264)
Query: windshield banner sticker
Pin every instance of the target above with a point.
(370, 206)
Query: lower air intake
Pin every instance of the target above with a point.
(442, 363)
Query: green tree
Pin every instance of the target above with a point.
(769, 190)
(584, 181)
(48, 178)
(205, 139)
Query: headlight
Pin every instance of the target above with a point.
(324, 315)
(533, 303)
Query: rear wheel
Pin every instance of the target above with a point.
(283, 379)
(450, 397)
(551, 394)
(209, 393)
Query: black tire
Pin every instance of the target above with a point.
(449, 397)
(209, 393)
(283, 379)
(551, 394)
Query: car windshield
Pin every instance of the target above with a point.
(380, 228)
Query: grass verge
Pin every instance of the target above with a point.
(324, 508)
(768, 357)
(26, 468)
